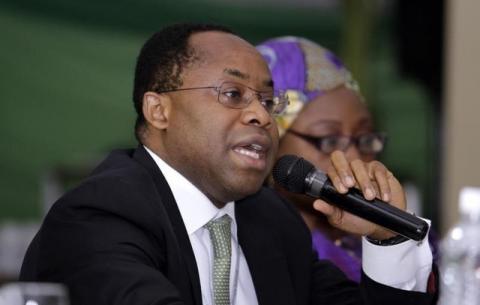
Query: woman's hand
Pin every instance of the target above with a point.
(374, 180)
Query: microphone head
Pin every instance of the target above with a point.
(290, 172)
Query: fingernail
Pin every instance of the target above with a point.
(343, 189)
(369, 193)
(386, 197)
(348, 180)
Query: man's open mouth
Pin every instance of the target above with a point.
(254, 150)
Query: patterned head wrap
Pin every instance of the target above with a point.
(303, 70)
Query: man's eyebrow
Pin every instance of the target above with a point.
(268, 83)
(236, 73)
(244, 76)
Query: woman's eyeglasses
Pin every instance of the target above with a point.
(238, 96)
(368, 143)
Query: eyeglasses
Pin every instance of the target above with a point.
(238, 96)
(368, 144)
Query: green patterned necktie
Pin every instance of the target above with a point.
(222, 250)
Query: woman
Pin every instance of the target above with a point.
(326, 113)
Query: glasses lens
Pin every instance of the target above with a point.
(237, 96)
(371, 143)
(280, 103)
(232, 95)
(329, 144)
(274, 105)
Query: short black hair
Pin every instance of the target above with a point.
(161, 61)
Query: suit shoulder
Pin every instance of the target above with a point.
(268, 198)
(119, 171)
(118, 186)
(275, 209)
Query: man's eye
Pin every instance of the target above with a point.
(233, 93)
(268, 103)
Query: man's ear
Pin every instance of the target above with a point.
(156, 109)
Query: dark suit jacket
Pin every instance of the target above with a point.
(119, 238)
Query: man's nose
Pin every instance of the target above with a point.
(256, 113)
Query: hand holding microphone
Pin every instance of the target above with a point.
(299, 176)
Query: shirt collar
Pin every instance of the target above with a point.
(195, 208)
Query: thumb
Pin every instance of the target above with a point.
(323, 207)
(334, 214)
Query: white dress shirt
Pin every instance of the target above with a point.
(197, 210)
(404, 266)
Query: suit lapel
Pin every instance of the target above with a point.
(142, 156)
(265, 259)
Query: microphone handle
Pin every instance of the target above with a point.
(376, 211)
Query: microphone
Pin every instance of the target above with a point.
(297, 175)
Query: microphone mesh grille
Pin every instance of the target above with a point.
(290, 172)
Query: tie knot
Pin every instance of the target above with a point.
(220, 222)
(220, 235)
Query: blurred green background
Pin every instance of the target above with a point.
(67, 72)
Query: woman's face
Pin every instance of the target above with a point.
(339, 112)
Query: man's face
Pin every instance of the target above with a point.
(225, 152)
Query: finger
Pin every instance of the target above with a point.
(381, 179)
(333, 213)
(336, 180)
(323, 207)
(363, 179)
(397, 194)
(376, 188)
(379, 173)
(340, 163)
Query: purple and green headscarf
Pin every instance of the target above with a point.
(303, 70)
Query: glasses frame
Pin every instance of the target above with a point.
(284, 103)
(317, 141)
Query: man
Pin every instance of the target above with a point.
(183, 219)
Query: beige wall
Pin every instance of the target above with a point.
(461, 140)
